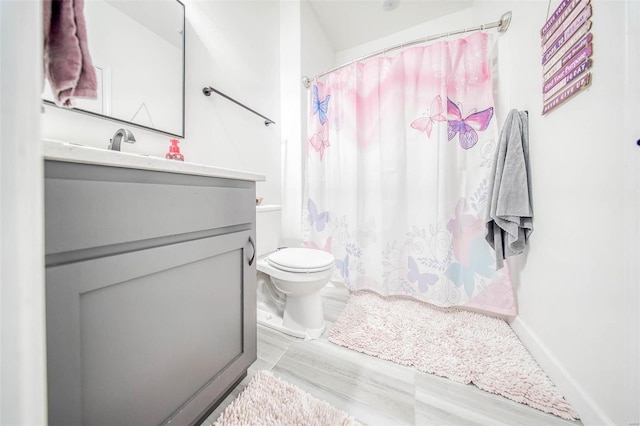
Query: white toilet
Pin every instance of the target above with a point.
(289, 281)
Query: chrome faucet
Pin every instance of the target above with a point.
(119, 136)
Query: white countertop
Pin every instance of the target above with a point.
(73, 153)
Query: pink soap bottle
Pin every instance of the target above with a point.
(174, 151)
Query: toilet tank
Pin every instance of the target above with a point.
(267, 228)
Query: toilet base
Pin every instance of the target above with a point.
(276, 322)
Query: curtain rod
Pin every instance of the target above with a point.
(502, 25)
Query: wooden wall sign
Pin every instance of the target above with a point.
(566, 53)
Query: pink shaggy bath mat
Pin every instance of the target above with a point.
(463, 346)
(268, 400)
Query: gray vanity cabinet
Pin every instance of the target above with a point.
(150, 288)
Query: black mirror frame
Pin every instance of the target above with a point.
(140, 126)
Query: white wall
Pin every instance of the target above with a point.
(577, 286)
(291, 113)
(23, 391)
(453, 21)
(306, 51)
(631, 132)
(317, 56)
(234, 47)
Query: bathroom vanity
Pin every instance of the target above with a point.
(150, 286)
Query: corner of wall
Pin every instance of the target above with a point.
(590, 412)
(23, 375)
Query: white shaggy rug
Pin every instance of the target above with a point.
(463, 346)
(268, 400)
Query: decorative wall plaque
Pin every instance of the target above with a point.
(567, 47)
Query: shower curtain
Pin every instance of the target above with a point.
(399, 154)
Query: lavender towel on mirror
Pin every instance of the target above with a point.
(509, 212)
(67, 62)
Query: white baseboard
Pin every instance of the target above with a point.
(590, 412)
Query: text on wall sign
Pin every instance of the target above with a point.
(567, 48)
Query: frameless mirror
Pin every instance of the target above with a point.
(137, 49)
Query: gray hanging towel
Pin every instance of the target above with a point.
(509, 212)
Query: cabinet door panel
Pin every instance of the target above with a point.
(134, 337)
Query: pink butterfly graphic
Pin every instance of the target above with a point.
(320, 141)
(467, 127)
(424, 123)
(312, 245)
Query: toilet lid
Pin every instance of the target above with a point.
(301, 260)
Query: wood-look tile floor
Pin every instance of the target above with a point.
(375, 391)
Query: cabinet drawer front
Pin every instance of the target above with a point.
(95, 206)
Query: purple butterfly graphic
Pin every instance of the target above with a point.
(343, 267)
(424, 279)
(320, 107)
(467, 127)
(320, 219)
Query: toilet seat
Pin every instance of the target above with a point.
(300, 277)
(301, 260)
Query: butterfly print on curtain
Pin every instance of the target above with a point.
(320, 141)
(467, 127)
(424, 279)
(320, 107)
(313, 245)
(425, 123)
(319, 219)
